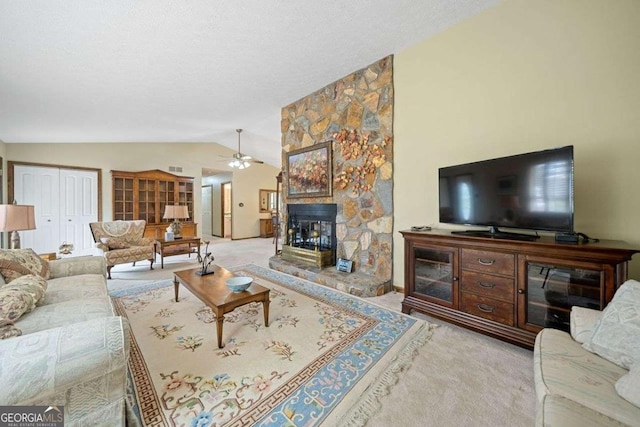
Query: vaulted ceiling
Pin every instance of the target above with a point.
(192, 70)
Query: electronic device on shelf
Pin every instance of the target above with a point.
(574, 238)
(531, 191)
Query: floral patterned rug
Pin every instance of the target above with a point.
(326, 357)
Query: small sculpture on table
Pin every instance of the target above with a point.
(205, 261)
(65, 248)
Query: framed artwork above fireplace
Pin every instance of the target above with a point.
(309, 171)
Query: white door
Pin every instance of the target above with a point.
(39, 186)
(206, 210)
(65, 202)
(78, 207)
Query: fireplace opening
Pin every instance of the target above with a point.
(311, 233)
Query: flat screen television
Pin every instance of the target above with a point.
(532, 191)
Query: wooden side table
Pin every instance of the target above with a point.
(185, 245)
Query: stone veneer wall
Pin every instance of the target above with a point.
(356, 112)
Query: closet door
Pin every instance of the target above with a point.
(207, 204)
(39, 186)
(78, 207)
(65, 200)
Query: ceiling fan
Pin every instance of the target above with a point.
(239, 160)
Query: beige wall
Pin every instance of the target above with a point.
(145, 156)
(524, 76)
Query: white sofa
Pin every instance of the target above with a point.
(73, 349)
(583, 387)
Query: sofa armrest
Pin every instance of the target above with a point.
(79, 265)
(582, 322)
(57, 366)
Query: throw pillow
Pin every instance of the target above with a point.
(628, 386)
(114, 243)
(14, 303)
(8, 330)
(18, 262)
(35, 285)
(616, 336)
(582, 322)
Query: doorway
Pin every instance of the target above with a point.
(226, 210)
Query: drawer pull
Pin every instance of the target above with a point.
(485, 261)
(486, 285)
(484, 307)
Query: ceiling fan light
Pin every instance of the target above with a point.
(239, 160)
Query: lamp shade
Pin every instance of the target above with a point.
(17, 217)
(175, 212)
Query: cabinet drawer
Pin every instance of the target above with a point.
(497, 287)
(488, 262)
(487, 308)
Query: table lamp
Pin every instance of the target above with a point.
(176, 213)
(16, 218)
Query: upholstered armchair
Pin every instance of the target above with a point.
(121, 242)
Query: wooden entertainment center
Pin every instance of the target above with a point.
(509, 289)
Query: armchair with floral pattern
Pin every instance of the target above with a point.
(121, 242)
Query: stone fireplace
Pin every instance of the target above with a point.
(355, 114)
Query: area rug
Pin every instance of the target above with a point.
(326, 357)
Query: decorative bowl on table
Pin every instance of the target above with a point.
(239, 284)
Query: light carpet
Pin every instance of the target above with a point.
(326, 358)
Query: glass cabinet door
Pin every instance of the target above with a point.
(147, 200)
(122, 198)
(434, 275)
(551, 291)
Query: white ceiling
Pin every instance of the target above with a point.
(190, 70)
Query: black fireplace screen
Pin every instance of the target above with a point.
(312, 225)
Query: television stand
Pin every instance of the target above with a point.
(508, 289)
(495, 233)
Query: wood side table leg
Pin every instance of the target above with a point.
(161, 256)
(176, 286)
(265, 308)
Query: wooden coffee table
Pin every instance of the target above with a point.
(213, 291)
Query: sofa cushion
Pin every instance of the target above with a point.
(563, 368)
(81, 286)
(628, 386)
(31, 283)
(64, 313)
(18, 262)
(616, 336)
